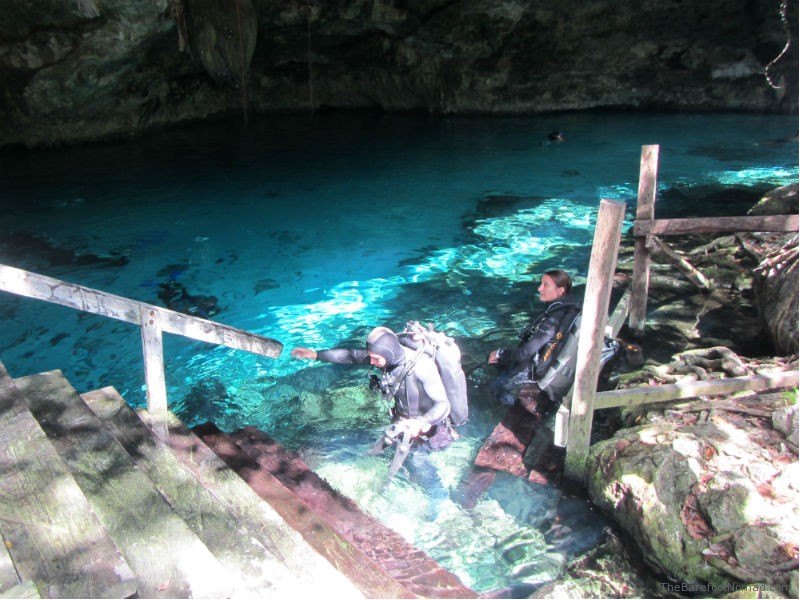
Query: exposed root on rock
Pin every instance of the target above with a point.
(702, 364)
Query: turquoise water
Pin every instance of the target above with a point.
(314, 230)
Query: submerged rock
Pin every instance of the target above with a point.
(38, 252)
(176, 297)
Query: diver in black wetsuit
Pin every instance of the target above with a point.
(421, 406)
(529, 360)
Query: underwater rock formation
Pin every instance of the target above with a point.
(176, 297)
(36, 252)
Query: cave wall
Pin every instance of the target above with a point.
(74, 70)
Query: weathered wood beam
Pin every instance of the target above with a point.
(50, 529)
(680, 391)
(153, 352)
(615, 322)
(41, 287)
(645, 211)
(153, 539)
(602, 263)
(617, 318)
(644, 226)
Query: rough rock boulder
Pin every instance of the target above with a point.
(710, 495)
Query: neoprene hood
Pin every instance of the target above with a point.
(384, 342)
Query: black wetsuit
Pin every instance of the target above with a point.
(420, 394)
(527, 361)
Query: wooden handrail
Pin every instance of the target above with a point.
(644, 227)
(649, 394)
(152, 319)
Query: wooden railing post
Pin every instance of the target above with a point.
(153, 321)
(596, 301)
(645, 211)
(153, 352)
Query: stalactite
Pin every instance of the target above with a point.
(222, 40)
(310, 73)
(179, 13)
(244, 62)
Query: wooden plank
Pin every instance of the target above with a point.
(168, 559)
(615, 322)
(787, 223)
(220, 520)
(621, 310)
(41, 287)
(262, 521)
(22, 591)
(680, 391)
(51, 532)
(316, 531)
(504, 449)
(8, 574)
(383, 549)
(597, 298)
(645, 211)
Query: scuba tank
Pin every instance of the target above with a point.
(447, 356)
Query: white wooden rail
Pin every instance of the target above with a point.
(152, 319)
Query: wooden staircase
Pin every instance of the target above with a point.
(93, 505)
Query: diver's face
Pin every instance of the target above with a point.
(376, 360)
(548, 290)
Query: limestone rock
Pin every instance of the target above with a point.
(785, 420)
(776, 290)
(89, 69)
(780, 201)
(708, 502)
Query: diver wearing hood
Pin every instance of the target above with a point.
(410, 377)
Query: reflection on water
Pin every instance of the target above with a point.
(313, 231)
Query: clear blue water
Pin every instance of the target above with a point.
(312, 231)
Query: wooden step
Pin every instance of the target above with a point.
(224, 520)
(8, 574)
(506, 447)
(169, 560)
(21, 591)
(372, 547)
(53, 537)
(262, 520)
(370, 579)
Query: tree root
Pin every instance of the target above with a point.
(700, 364)
(782, 259)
